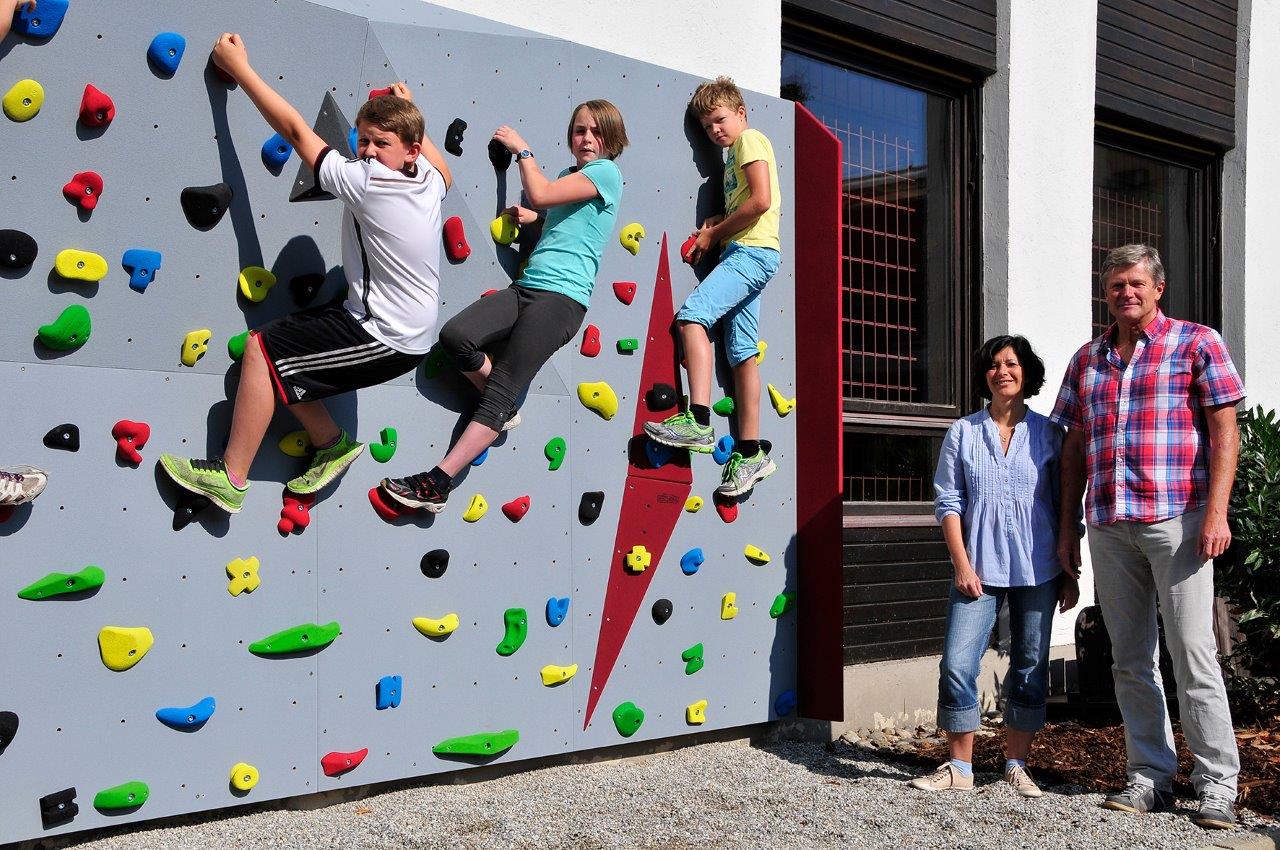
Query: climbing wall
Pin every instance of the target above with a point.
(639, 648)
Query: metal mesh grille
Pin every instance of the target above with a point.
(1119, 218)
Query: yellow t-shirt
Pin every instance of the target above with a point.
(752, 146)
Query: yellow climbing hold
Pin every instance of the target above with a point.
(756, 555)
(194, 346)
(781, 404)
(761, 348)
(243, 776)
(694, 504)
(630, 237)
(599, 397)
(639, 559)
(23, 101)
(553, 674)
(504, 229)
(695, 714)
(243, 573)
(436, 628)
(256, 282)
(729, 606)
(80, 265)
(478, 508)
(122, 647)
(296, 444)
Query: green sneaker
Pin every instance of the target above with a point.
(743, 473)
(682, 431)
(327, 465)
(207, 478)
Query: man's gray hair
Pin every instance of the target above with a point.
(1131, 255)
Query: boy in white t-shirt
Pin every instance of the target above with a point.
(391, 256)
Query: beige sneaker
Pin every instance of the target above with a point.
(1022, 782)
(945, 778)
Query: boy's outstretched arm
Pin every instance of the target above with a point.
(9, 8)
(230, 55)
(429, 150)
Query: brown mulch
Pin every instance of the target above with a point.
(1094, 757)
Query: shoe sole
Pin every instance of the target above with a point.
(701, 449)
(191, 488)
(760, 475)
(334, 475)
(948, 788)
(429, 507)
(1213, 823)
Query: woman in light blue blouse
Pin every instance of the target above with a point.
(997, 502)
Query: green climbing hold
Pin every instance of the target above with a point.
(235, 346)
(56, 584)
(627, 718)
(629, 344)
(130, 795)
(517, 625)
(383, 451)
(692, 658)
(297, 639)
(782, 603)
(480, 744)
(435, 363)
(554, 451)
(724, 406)
(69, 331)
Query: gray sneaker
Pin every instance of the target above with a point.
(743, 473)
(21, 484)
(1217, 811)
(682, 431)
(1137, 798)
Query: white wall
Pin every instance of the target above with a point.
(740, 38)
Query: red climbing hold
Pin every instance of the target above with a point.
(130, 436)
(686, 249)
(455, 240)
(727, 508)
(296, 513)
(96, 109)
(591, 341)
(388, 509)
(625, 290)
(336, 764)
(487, 293)
(379, 92)
(84, 189)
(516, 508)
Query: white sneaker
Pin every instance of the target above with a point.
(513, 422)
(945, 778)
(21, 484)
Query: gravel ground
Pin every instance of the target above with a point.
(785, 795)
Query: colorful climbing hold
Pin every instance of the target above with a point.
(276, 152)
(84, 189)
(480, 744)
(661, 611)
(307, 636)
(142, 266)
(84, 266)
(695, 713)
(692, 658)
(724, 448)
(693, 504)
(761, 348)
(256, 282)
(23, 100)
(630, 237)
(690, 561)
(436, 627)
(478, 508)
(455, 239)
(785, 703)
(554, 451)
(627, 718)
(188, 507)
(781, 404)
(756, 555)
(17, 249)
(388, 692)
(383, 450)
(727, 508)
(59, 584)
(235, 346)
(165, 52)
(658, 454)
(353, 141)
(516, 508)
(515, 623)
(553, 674)
(453, 136)
(69, 331)
(729, 606)
(194, 346)
(336, 764)
(42, 20)
(625, 290)
(129, 795)
(296, 444)
(65, 436)
(130, 436)
(499, 155)
(434, 563)
(58, 808)
(599, 397)
(389, 509)
(8, 729)
(590, 341)
(382, 92)
(557, 610)
(122, 647)
(782, 603)
(628, 344)
(436, 362)
(96, 108)
(724, 406)
(504, 229)
(589, 506)
(638, 559)
(190, 718)
(243, 776)
(686, 249)
(661, 397)
(204, 206)
(243, 573)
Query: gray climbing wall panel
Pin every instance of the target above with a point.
(86, 726)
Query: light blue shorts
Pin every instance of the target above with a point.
(732, 292)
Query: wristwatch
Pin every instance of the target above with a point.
(524, 154)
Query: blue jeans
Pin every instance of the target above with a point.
(732, 292)
(969, 624)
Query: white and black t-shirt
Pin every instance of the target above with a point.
(390, 246)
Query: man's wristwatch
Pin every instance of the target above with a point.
(524, 154)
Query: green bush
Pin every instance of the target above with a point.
(1248, 576)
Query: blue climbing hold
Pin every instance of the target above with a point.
(480, 458)
(389, 690)
(785, 703)
(142, 266)
(165, 52)
(557, 610)
(187, 719)
(658, 454)
(691, 560)
(724, 448)
(42, 21)
(275, 152)
(351, 141)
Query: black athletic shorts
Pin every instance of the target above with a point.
(324, 351)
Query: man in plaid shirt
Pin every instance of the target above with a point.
(1150, 412)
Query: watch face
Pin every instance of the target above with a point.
(525, 154)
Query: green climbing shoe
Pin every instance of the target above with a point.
(327, 465)
(682, 431)
(206, 477)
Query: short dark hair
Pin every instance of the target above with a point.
(1032, 365)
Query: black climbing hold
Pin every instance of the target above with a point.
(662, 611)
(499, 155)
(189, 504)
(65, 436)
(8, 728)
(435, 562)
(330, 125)
(58, 808)
(453, 137)
(205, 206)
(305, 288)
(661, 397)
(589, 507)
(17, 249)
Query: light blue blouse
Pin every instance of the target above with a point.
(1008, 504)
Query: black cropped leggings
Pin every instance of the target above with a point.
(535, 323)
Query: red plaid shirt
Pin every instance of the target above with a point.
(1146, 440)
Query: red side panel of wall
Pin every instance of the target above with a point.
(819, 414)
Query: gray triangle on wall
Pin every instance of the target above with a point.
(332, 126)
